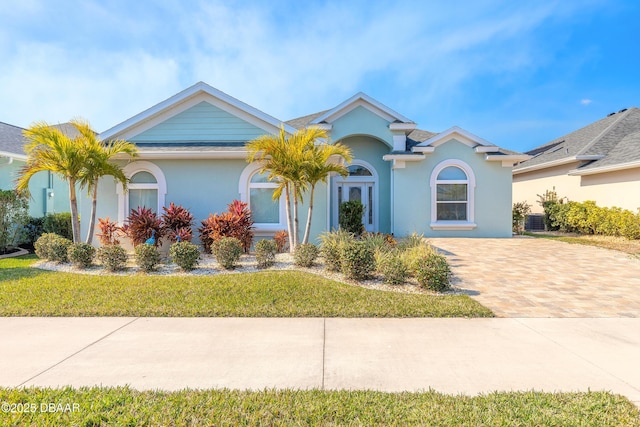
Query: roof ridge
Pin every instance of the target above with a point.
(604, 132)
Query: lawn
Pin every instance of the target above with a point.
(123, 406)
(27, 291)
(631, 247)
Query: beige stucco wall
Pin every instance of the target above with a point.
(619, 188)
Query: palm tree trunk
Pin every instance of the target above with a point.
(73, 201)
(307, 228)
(287, 209)
(92, 218)
(296, 227)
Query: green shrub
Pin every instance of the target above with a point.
(33, 229)
(43, 245)
(60, 224)
(413, 255)
(519, 214)
(147, 257)
(266, 253)
(58, 248)
(112, 257)
(357, 260)
(378, 241)
(185, 255)
(14, 216)
(227, 251)
(305, 254)
(81, 254)
(350, 216)
(392, 266)
(411, 241)
(433, 272)
(331, 243)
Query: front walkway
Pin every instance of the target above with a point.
(529, 277)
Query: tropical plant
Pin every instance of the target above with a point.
(266, 253)
(305, 254)
(227, 251)
(147, 257)
(350, 216)
(185, 254)
(331, 243)
(141, 225)
(236, 222)
(13, 218)
(110, 232)
(177, 222)
(81, 254)
(282, 240)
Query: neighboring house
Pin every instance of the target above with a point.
(48, 193)
(192, 152)
(600, 162)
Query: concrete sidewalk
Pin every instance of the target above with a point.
(465, 356)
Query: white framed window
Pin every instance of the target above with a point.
(257, 191)
(452, 196)
(147, 187)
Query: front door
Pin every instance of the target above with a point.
(362, 191)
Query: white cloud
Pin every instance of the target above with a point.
(585, 101)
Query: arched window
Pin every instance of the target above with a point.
(452, 195)
(147, 187)
(257, 191)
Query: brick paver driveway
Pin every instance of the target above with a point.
(528, 277)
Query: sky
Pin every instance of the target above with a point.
(516, 73)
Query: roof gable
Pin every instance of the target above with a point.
(185, 100)
(455, 132)
(361, 100)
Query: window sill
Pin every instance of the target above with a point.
(453, 225)
(262, 229)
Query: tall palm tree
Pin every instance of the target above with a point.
(99, 163)
(320, 161)
(48, 149)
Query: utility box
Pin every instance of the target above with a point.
(534, 222)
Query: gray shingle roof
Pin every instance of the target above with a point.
(609, 137)
(11, 139)
(303, 121)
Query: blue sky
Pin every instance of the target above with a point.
(517, 73)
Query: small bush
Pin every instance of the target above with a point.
(357, 260)
(266, 253)
(58, 249)
(110, 232)
(282, 240)
(350, 216)
(377, 241)
(519, 214)
(392, 266)
(411, 241)
(14, 215)
(43, 245)
(305, 254)
(433, 272)
(33, 229)
(331, 243)
(147, 257)
(60, 224)
(112, 257)
(81, 254)
(413, 255)
(185, 255)
(227, 251)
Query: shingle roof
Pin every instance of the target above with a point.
(610, 137)
(303, 121)
(11, 139)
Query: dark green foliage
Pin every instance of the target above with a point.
(112, 257)
(266, 253)
(147, 257)
(60, 224)
(185, 255)
(393, 267)
(33, 229)
(43, 245)
(177, 221)
(305, 254)
(519, 214)
(13, 217)
(331, 243)
(357, 260)
(433, 272)
(350, 217)
(81, 254)
(227, 251)
(58, 248)
(141, 224)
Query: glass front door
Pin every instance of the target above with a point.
(362, 191)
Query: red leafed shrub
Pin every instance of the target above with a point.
(141, 224)
(177, 221)
(236, 222)
(110, 232)
(282, 240)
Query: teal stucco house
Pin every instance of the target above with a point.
(192, 152)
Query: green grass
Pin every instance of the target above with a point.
(26, 291)
(127, 407)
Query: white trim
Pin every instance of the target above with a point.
(182, 154)
(187, 98)
(405, 157)
(244, 183)
(132, 169)
(373, 180)
(462, 135)
(22, 157)
(424, 150)
(402, 126)
(486, 149)
(605, 169)
(471, 185)
(559, 162)
(361, 99)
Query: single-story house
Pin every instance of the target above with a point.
(599, 162)
(48, 193)
(192, 152)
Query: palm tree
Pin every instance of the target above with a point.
(99, 163)
(48, 149)
(320, 161)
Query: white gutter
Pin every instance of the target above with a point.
(150, 154)
(558, 162)
(603, 169)
(22, 157)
